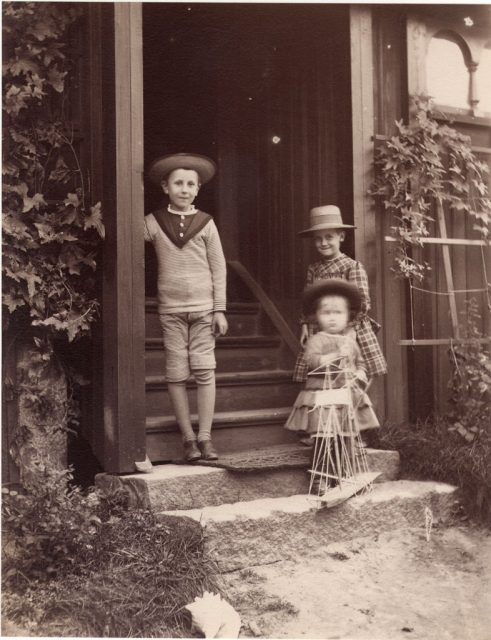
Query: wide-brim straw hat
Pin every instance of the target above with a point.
(161, 167)
(326, 217)
(331, 287)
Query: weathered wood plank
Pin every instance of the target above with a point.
(447, 265)
(457, 241)
(123, 296)
(390, 295)
(426, 342)
(362, 119)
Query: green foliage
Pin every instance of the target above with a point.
(50, 229)
(455, 447)
(470, 384)
(425, 163)
(49, 528)
(94, 567)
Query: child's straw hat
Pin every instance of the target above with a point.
(332, 287)
(325, 217)
(204, 167)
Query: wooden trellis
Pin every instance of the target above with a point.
(444, 241)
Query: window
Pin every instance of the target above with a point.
(447, 75)
(483, 79)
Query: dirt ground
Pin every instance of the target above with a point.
(386, 587)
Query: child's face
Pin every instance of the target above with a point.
(182, 186)
(328, 242)
(332, 314)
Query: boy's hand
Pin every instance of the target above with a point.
(219, 324)
(304, 335)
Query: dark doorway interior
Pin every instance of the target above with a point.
(265, 90)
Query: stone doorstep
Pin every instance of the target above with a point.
(173, 487)
(263, 531)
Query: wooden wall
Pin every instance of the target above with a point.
(417, 383)
(430, 365)
(255, 72)
(301, 171)
(390, 104)
(303, 100)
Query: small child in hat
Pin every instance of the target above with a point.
(334, 303)
(328, 231)
(191, 292)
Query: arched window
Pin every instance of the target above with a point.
(447, 74)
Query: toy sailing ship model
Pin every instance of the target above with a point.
(339, 462)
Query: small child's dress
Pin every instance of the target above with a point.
(346, 268)
(345, 351)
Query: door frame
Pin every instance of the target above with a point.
(123, 291)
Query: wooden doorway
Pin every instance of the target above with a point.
(265, 90)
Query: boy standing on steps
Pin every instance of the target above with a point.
(191, 292)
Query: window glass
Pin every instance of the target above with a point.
(483, 80)
(447, 76)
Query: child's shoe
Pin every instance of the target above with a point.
(207, 449)
(307, 441)
(191, 451)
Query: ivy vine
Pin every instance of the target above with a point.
(52, 229)
(427, 162)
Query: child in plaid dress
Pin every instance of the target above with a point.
(327, 229)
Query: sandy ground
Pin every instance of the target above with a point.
(386, 587)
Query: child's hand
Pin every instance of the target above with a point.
(219, 324)
(344, 350)
(304, 335)
(361, 376)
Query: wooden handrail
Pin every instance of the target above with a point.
(267, 304)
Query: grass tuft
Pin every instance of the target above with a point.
(142, 572)
(429, 450)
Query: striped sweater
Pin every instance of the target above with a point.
(192, 278)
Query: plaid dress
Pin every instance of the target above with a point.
(353, 271)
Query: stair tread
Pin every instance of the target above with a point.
(230, 341)
(243, 416)
(261, 375)
(232, 307)
(262, 508)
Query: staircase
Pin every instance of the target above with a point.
(255, 391)
(261, 517)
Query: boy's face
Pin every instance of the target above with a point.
(328, 242)
(332, 314)
(182, 186)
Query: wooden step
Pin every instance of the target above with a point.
(233, 353)
(232, 431)
(243, 318)
(234, 391)
(223, 419)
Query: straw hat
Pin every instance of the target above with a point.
(325, 217)
(332, 287)
(204, 167)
